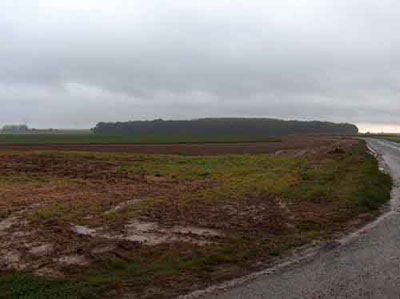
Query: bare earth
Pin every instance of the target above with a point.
(79, 216)
(287, 143)
(364, 265)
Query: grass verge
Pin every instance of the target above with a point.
(25, 285)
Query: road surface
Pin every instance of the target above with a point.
(365, 265)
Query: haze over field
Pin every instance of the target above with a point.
(71, 63)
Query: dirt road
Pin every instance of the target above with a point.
(363, 265)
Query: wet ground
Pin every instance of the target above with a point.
(156, 226)
(365, 264)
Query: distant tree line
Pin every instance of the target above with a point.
(223, 126)
(15, 129)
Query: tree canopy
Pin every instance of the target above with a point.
(223, 126)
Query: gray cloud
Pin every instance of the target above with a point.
(74, 63)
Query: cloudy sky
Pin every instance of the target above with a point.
(72, 63)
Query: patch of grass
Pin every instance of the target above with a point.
(216, 166)
(159, 268)
(27, 286)
(161, 265)
(53, 212)
(374, 186)
(63, 213)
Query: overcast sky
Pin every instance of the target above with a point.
(72, 63)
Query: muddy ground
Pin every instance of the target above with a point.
(157, 226)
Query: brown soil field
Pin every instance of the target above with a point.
(285, 143)
(161, 225)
